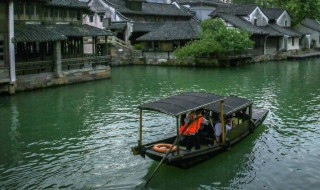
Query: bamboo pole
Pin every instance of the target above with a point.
(140, 129)
(222, 122)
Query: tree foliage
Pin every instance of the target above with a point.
(215, 39)
(298, 9)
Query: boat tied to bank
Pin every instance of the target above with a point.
(237, 111)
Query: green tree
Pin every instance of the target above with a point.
(216, 39)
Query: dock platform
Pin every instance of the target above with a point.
(303, 56)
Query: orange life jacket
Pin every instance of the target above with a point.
(193, 127)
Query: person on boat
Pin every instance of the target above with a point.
(190, 135)
(218, 130)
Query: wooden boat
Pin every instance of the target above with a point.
(239, 110)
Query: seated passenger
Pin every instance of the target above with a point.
(190, 130)
(218, 131)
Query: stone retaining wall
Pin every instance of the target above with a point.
(44, 80)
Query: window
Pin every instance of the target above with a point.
(149, 46)
(19, 8)
(255, 21)
(1, 49)
(156, 46)
(63, 13)
(30, 9)
(101, 18)
(46, 12)
(176, 44)
(319, 37)
(292, 41)
(55, 13)
(79, 15)
(72, 14)
(51, 12)
(91, 18)
(285, 23)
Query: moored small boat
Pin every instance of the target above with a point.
(243, 119)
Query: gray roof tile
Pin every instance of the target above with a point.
(117, 26)
(36, 33)
(42, 33)
(151, 9)
(68, 3)
(311, 24)
(201, 2)
(146, 26)
(173, 31)
(285, 30)
(272, 13)
(238, 10)
(241, 23)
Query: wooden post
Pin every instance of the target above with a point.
(93, 45)
(222, 122)
(140, 130)
(178, 129)
(12, 60)
(106, 45)
(57, 59)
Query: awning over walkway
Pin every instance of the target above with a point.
(79, 31)
(36, 33)
(43, 33)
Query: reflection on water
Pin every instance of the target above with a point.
(79, 136)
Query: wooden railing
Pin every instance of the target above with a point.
(82, 62)
(117, 41)
(36, 67)
(4, 74)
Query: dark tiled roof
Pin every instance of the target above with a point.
(118, 26)
(285, 30)
(201, 2)
(311, 24)
(68, 3)
(241, 23)
(173, 31)
(272, 13)
(36, 33)
(42, 33)
(271, 31)
(238, 10)
(151, 9)
(146, 26)
(79, 31)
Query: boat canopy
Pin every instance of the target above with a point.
(231, 105)
(183, 103)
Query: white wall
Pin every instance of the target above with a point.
(262, 19)
(110, 12)
(296, 43)
(283, 18)
(202, 12)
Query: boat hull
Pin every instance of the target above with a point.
(185, 159)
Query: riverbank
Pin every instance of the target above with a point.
(167, 59)
(49, 79)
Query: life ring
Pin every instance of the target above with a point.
(163, 148)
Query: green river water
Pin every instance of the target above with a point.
(79, 136)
